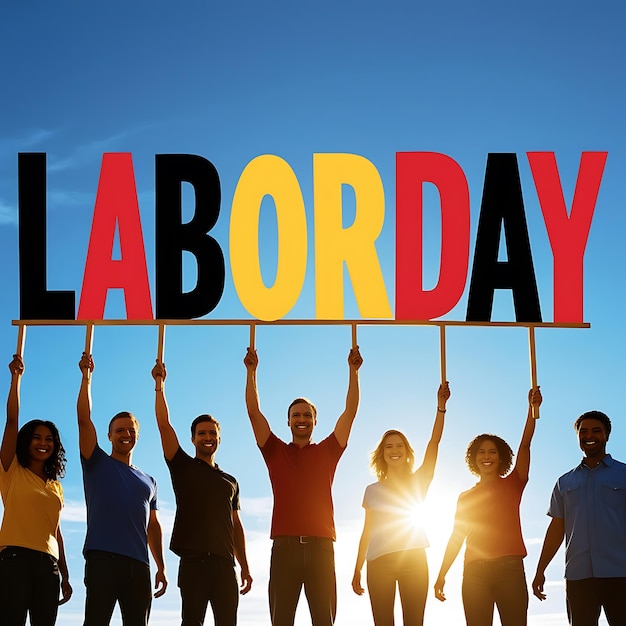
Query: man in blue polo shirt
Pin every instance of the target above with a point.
(588, 508)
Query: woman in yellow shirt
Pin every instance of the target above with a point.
(32, 560)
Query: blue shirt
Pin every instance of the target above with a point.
(592, 503)
(119, 499)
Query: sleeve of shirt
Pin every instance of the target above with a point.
(268, 449)
(334, 447)
(365, 504)
(236, 504)
(5, 476)
(556, 503)
(154, 505)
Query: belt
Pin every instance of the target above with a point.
(500, 559)
(194, 555)
(300, 539)
(27, 552)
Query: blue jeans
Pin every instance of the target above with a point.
(586, 597)
(205, 578)
(111, 578)
(500, 582)
(298, 562)
(29, 583)
(409, 570)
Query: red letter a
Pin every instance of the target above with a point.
(116, 203)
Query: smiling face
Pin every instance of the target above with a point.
(488, 459)
(301, 421)
(41, 445)
(123, 435)
(206, 440)
(394, 451)
(592, 438)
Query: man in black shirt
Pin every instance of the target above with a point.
(208, 534)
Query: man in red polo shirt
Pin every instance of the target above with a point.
(301, 474)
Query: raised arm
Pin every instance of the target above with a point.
(169, 440)
(344, 423)
(522, 465)
(432, 449)
(9, 439)
(87, 437)
(360, 557)
(551, 543)
(239, 540)
(452, 550)
(260, 425)
(155, 543)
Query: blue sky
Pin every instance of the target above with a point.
(234, 82)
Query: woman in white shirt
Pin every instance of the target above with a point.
(391, 542)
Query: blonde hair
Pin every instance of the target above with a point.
(377, 457)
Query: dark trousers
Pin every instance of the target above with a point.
(111, 578)
(298, 562)
(29, 584)
(500, 582)
(586, 597)
(409, 570)
(205, 578)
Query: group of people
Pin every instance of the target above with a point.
(587, 509)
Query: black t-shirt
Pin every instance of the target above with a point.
(205, 500)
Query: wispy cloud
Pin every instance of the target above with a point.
(29, 139)
(74, 511)
(93, 150)
(8, 213)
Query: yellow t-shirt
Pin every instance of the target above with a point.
(32, 508)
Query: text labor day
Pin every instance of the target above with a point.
(502, 212)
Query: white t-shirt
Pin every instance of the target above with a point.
(397, 517)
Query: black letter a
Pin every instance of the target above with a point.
(502, 205)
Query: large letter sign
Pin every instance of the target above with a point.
(339, 250)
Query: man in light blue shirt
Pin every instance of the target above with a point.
(588, 509)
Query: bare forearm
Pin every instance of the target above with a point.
(551, 543)
(452, 550)
(13, 400)
(83, 405)
(155, 543)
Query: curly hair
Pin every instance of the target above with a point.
(54, 466)
(504, 451)
(377, 456)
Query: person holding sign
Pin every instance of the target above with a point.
(487, 519)
(122, 520)
(588, 509)
(208, 534)
(301, 473)
(31, 545)
(393, 538)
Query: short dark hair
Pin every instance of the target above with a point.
(122, 415)
(504, 451)
(54, 466)
(594, 415)
(298, 401)
(205, 417)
